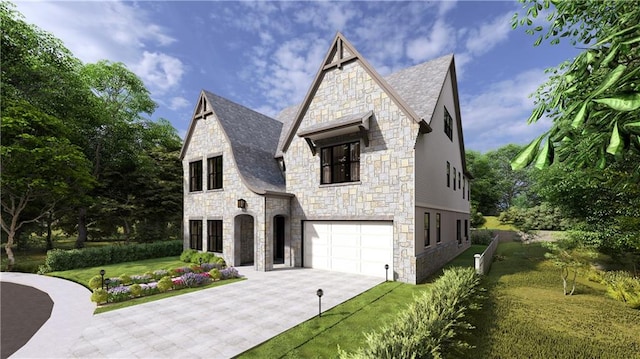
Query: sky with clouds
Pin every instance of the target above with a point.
(264, 54)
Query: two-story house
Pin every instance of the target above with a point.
(367, 172)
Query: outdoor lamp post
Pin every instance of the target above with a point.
(102, 272)
(319, 293)
(386, 272)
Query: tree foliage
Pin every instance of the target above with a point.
(593, 100)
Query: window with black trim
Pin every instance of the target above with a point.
(340, 163)
(464, 186)
(195, 176)
(459, 178)
(195, 234)
(214, 236)
(214, 172)
(454, 178)
(438, 236)
(466, 230)
(458, 231)
(448, 124)
(448, 174)
(427, 232)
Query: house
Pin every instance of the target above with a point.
(367, 171)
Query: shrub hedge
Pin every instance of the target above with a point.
(59, 260)
(431, 326)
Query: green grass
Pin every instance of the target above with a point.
(494, 223)
(526, 314)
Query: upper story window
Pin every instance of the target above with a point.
(195, 176)
(448, 174)
(214, 172)
(454, 178)
(448, 124)
(464, 186)
(459, 179)
(340, 163)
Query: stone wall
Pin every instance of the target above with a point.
(386, 187)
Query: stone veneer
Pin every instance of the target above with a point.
(386, 188)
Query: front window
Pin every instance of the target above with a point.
(214, 236)
(214, 172)
(427, 234)
(195, 234)
(340, 163)
(195, 176)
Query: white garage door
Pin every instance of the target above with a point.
(361, 247)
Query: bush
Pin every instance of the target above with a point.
(542, 217)
(136, 290)
(165, 284)
(60, 260)
(481, 236)
(95, 282)
(431, 325)
(215, 274)
(477, 219)
(229, 273)
(623, 287)
(125, 279)
(187, 254)
(99, 296)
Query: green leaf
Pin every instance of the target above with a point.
(545, 157)
(615, 144)
(633, 127)
(579, 119)
(631, 41)
(624, 102)
(612, 53)
(526, 156)
(538, 41)
(610, 80)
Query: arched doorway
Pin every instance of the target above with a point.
(244, 235)
(278, 239)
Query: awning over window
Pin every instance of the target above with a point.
(357, 123)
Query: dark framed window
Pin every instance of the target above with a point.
(214, 236)
(427, 232)
(195, 176)
(448, 174)
(214, 172)
(469, 191)
(459, 231)
(464, 186)
(448, 124)
(438, 232)
(340, 163)
(195, 234)
(459, 178)
(454, 178)
(466, 230)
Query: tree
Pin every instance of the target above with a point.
(512, 184)
(594, 100)
(571, 258)
(39, 166)
(485, 193)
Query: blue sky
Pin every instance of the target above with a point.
(264, 55)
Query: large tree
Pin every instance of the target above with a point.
(40, 166)
(594, 99)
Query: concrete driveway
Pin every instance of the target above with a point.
(219, 322)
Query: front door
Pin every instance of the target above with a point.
(246, 239)
(278, 239)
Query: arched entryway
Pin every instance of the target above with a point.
(244, 236)
(278, 239)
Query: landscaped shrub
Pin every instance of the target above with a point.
(119, 293)
(99, 296)
(95, 282)
(60, 260)
(187, 254)
(229, 273)
(165, 284)
(623, 287)
(125, 279)
(140, 279)
(481, 236)
(542, 217)
(431, 326)
(215, 274)
(158, 274)
(194, 279)
(150, 288)
(136, 290)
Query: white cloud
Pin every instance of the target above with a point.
(499, 114)
(159, 71)
(179, 102)
(489, 34)
(441, 39)
(445, 6)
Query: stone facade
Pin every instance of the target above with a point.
(386, 187)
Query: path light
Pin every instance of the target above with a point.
(319, 293)
(102, 272)
(386, 272)
(200, 260)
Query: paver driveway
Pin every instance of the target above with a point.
(218, 322)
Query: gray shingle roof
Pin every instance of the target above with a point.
(286, 116)
(420, 85)
(254, 140)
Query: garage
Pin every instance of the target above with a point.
(361, 247)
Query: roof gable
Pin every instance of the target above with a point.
(340, 53)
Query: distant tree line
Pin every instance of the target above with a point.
(79, 151)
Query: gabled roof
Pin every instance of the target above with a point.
(340, 53)
(253, 138)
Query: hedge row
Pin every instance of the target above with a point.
(59, 260)
(431, 326)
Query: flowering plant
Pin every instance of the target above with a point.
(229, 273)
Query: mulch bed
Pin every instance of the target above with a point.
(23, 310)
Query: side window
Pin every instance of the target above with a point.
(448, 124)
(459, 231)
(195, 176)
(427, 232)
(438, 233)
(448, 174)
(454, 178)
